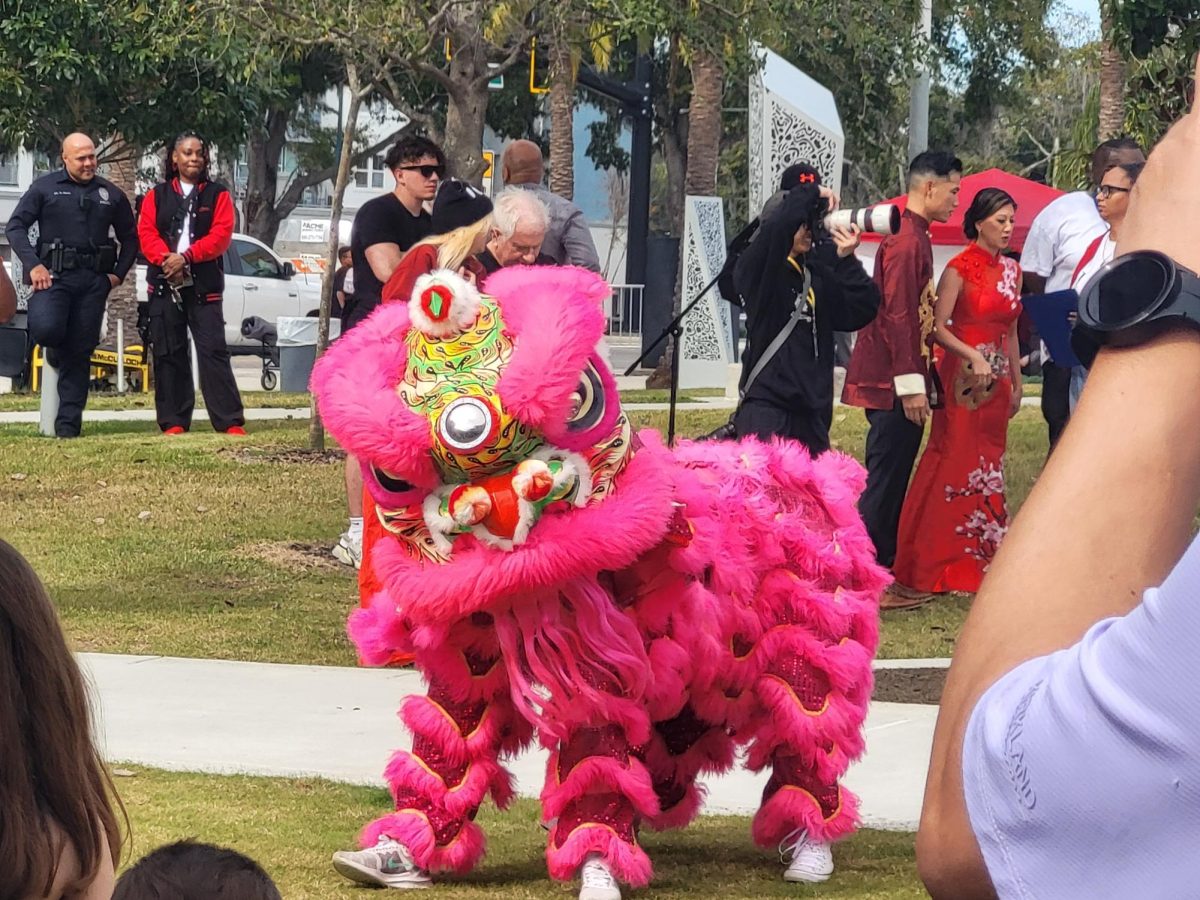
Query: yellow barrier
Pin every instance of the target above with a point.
(102, 362)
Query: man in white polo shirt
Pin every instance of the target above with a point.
(1057, 239)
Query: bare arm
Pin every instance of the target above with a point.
(383, 259)
(1014, 367)
(1035, 283)
(1072, 557)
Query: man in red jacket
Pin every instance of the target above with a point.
(185, 226)
(889, 373)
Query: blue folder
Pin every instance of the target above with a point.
(1050, 316)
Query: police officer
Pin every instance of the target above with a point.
(73, 266)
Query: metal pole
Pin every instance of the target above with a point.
(639, 176)
(918, 107)
(120, 355)
(49, 403)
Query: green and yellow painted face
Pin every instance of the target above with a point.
(498, 474)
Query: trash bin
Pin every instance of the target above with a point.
(297, 342)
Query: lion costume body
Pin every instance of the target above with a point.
(641, 611)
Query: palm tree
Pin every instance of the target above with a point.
(1112, 76)
(569, 30)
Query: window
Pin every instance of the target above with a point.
(257, 262)
(8, 168)
(371, 174)
(43, 163)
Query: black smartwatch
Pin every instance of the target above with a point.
(1133, 298)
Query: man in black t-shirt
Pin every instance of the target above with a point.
(384, 228)
(383, 231)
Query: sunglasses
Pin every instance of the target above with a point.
(1107, 190)
(426, 171)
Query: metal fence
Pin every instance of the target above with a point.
(624, 313)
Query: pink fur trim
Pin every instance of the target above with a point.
(603, 536)
(378, 631)
(594, 774)
(789, 809)
(406, 772)
(627, 862)
(411, 829)
(464, 304)
(426, 718)
(550, 322)
(682, 813)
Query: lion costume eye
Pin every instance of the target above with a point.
(587, 402)
(467, 424)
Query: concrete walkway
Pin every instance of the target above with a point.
(340, 723)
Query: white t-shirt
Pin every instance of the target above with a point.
(1081, 769)
(1104, 253)
(1058, 236)
(185, 237)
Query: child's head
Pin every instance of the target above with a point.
(53, 785)
(190, 871)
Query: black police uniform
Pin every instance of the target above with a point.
(74, 221)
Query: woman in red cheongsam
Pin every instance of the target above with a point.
(954, 516)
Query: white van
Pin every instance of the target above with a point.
(257, 283)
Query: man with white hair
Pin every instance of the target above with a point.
(568, 238)
(519, 223)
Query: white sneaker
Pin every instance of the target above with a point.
(811, 862)
(387, 864)
(348, 551)
(598, 883)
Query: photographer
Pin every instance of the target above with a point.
(786, 273)
(185, 225)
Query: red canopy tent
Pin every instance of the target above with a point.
(1031, 196)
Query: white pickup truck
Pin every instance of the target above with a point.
(257, 283)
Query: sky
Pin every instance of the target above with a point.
(1089, 9)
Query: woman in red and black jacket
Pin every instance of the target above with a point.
(185, 226)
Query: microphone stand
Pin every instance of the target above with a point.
(675, 330)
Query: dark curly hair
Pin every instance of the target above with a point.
(987, 203)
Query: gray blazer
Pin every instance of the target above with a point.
(568, 239)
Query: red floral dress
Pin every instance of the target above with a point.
(954, 514)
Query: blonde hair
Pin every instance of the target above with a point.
(455, 247)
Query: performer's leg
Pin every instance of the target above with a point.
(598, 791)
(813, 687)
(678, 751)
(459, 729)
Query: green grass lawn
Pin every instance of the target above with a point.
(291, 826)
(208, 546)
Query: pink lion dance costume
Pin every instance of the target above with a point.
(642, 611)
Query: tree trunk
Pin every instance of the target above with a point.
(1112, 79)
(674, 139)
(562, 119)
(264, 147)
(467, 96)
(122, 302)
(704, 123)
(316, 430)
